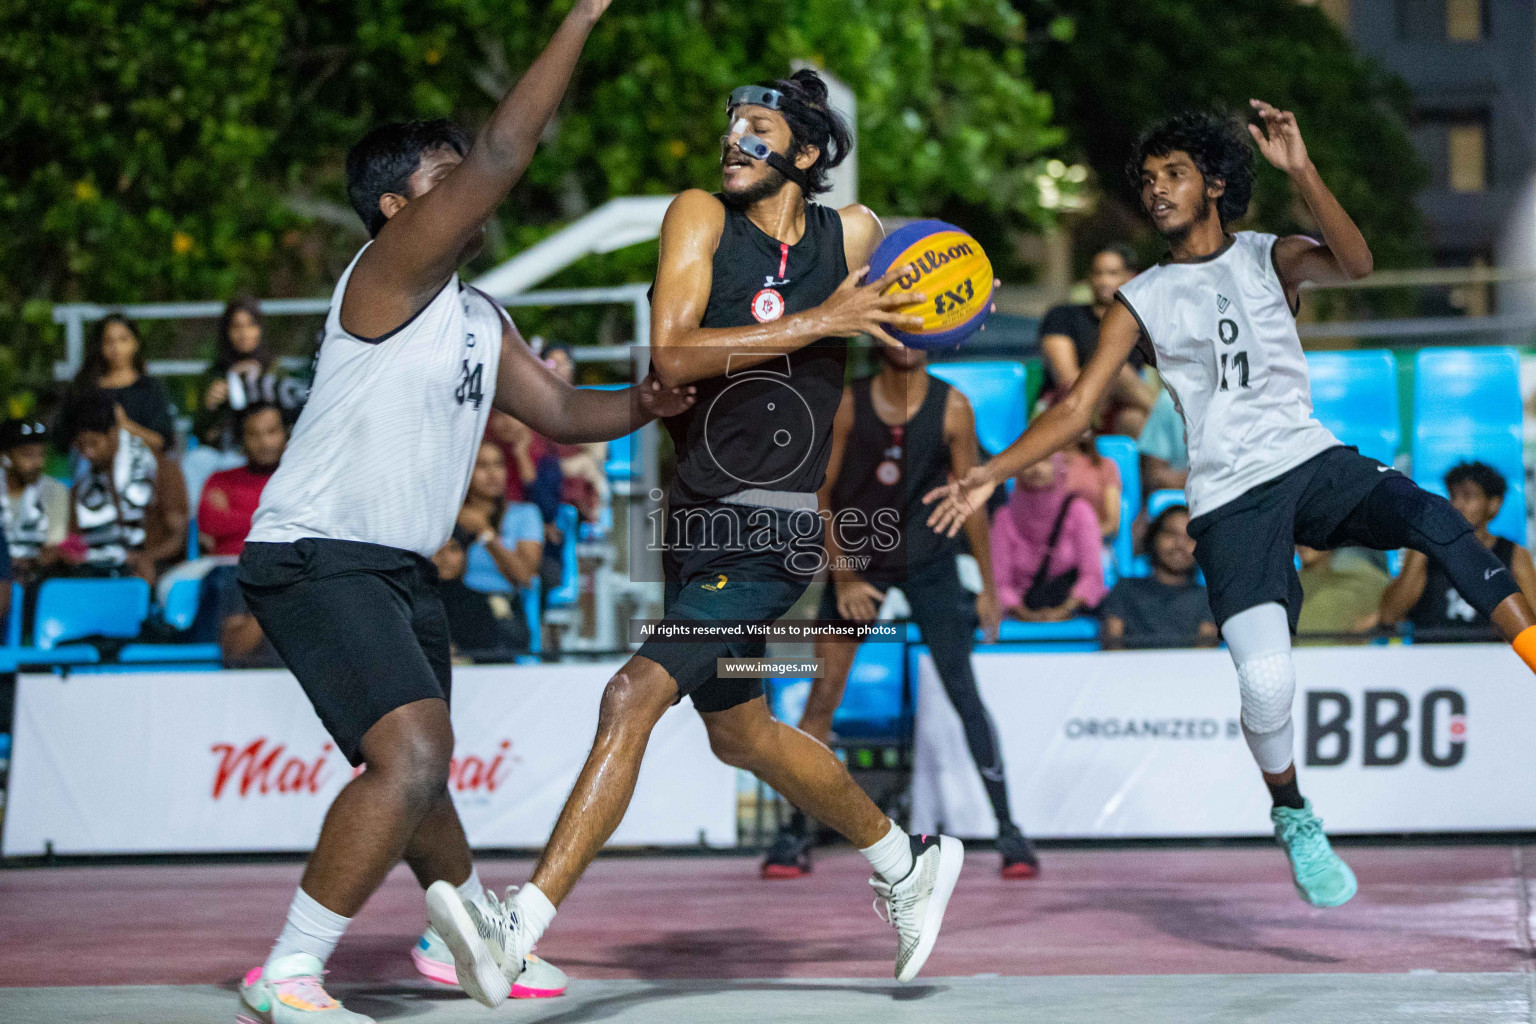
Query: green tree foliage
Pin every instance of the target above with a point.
(131, 136)
(189, 148)
(1114, 67)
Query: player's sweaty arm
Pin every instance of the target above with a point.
(1051, 431)
(683, 352)
(420, 247)
(1343, 255)
(529, 391)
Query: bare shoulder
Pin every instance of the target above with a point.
(696, 206)
(862, 232)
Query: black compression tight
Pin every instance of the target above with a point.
(1401, 514)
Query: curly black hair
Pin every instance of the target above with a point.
(1218, 144)
(812, 122)
(1490, 480)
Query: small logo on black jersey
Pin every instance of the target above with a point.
(718, 585)
(1222, 302)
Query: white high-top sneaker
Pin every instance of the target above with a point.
(540, 979)
(488, 944)
(915, 905)
(290, 992)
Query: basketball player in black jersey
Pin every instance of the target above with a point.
(756, 290)
(897, 436)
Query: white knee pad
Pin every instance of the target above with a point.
(1268, 687)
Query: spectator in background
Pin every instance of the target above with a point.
(1167, 608)
(244, 372)
(129, 505)
(505, 539)
(114, 367)
(485, 627)
(1045, 548)
(230, 497)
(1070, 333)
(34, 507)
(584, 483)
(1423, 593)
(1341, 591)
(1164, 456)
(1095, 479)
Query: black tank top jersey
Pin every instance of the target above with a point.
(1443, 614)
(767, 426)
(888, 469)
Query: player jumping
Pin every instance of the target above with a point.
(754, 298)
(1218, 316)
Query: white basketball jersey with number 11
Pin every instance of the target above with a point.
(1228, 352)
(385, 446)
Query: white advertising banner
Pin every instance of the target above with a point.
(1427, 738)
(237, 761)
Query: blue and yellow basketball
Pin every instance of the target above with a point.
(951, 269)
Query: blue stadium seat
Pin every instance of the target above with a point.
(874, 704)
(1159, 500)
(1126, 456)
(531, 597)
(1466, 405)
(996, 392)
(1080, 628)
(787, 697)
(621, 450)
(71, 609)
(621, 458)
(12, 631)
(180, 607)
(1354, 394)
(566, 521)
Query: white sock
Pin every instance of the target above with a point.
(534, 912)
(310, 929)
(471, 890)
(891, 857)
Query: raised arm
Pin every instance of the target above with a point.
(1051, 431)
(529, 391)
(964, 452)
(682, 351)
(422, 244)
(1343, 254)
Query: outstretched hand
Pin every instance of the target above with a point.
(958, 500)
(659, 401)
(1280, 139)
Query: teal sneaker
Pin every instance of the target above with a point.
(1320, 876)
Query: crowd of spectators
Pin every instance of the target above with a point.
(128, 509)
(133, 485)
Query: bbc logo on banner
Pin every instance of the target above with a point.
(1386, 728)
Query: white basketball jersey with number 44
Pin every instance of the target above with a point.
(385, 446)
(1228, 352)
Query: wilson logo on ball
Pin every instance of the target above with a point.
(951, 270)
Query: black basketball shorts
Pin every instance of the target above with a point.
(1247, 547)
(359, 625)
(730, 563)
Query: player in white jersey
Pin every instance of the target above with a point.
(1264, 475)
(336, 568)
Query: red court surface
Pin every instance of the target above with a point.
(1093, 912)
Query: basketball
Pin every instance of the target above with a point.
(950, 269)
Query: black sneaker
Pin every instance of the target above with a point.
(789, 856)
(1019, 860)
